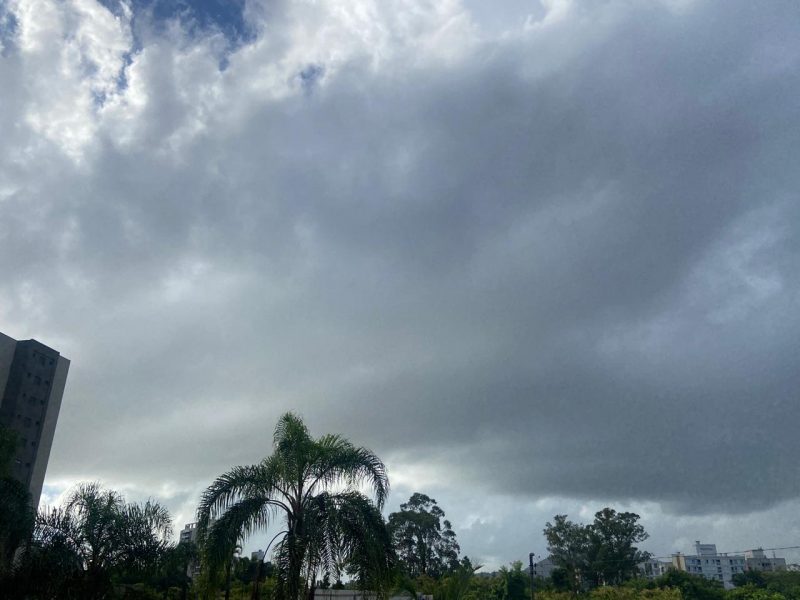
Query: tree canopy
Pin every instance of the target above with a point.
(310, 486)
(603, 552)
(423, 538)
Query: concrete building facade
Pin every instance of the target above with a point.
(654, 568)
(756, 560)
(32, 381)
(188, 533)
(710, 564)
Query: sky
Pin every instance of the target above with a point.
(542, 257)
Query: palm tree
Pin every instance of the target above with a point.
(313, 485)
(95, 536)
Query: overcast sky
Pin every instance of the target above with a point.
(540, 256)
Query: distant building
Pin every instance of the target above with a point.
(544, 568)
(188, 533)
(711, 565)
(32, 380)
(756, 560)
(653, 568)
(258, 555)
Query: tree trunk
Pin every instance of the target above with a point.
(256, 581)
(228, 582)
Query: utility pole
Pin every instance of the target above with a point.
(533, 572)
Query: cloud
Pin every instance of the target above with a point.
(551, 256)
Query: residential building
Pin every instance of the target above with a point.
(257, 556)
(188, 533)
(756, 560)
(653, 568)
(544, 567)
(710, 564)
(32, 380)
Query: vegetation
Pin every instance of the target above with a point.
(95, 546)
(600, 553)
(424, 540)
(313, 486)
(99, 546)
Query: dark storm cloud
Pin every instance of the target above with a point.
(560, 263)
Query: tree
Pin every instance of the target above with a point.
(569, 546)
(613, 556)
(423, 539)
(313, 485)
(751, 592)
(786, 583)
(692, 587)
(515, 584)
(96, 538)
(755, 578)
(603, 552)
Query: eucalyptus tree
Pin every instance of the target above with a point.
(423, 538)
(311, 487)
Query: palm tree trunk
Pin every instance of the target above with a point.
(228, 582)
(256, 581)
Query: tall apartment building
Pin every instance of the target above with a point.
(189, 533)
(32, 380)
(711, 565)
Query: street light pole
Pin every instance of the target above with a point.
(533, 573)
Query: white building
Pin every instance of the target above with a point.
(653, 568)
(756, 560)
(711, 565)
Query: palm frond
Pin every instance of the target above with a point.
(339, 461)
(235, 525)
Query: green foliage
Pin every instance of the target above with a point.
(423, 539)
(555, 595)
(692, 587)
(515, 583)
(95, 546)
(601, 553)
(751, 592)
(631, 593)
(312, 486)
(614, 558)
(569, 546)
(755, 578)
(785, 583)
